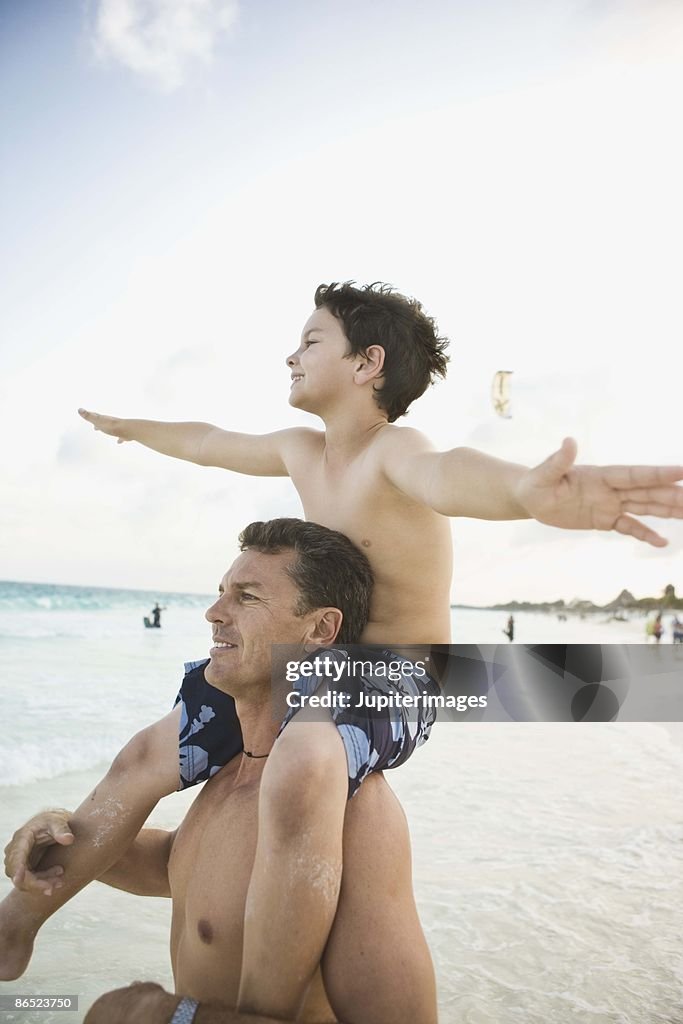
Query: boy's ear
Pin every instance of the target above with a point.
(325, 627)
(369, 364)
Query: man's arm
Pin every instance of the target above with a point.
(204, 444)
(465, 482)
(104, 825)
(85, 844)
(143, 869)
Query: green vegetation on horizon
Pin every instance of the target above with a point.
(624, 602)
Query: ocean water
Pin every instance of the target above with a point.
(548, 858)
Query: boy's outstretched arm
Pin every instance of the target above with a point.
(104, 826)
(465, 482)
(204, 444)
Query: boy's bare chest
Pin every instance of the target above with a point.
(352, 497)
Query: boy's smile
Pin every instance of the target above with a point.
(317, 365)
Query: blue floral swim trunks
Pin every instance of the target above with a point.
(383, 714)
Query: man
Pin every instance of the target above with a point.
(375, 966)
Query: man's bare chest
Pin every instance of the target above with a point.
(210, 868)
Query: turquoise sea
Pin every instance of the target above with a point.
(548, 858)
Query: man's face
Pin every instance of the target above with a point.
(318, 367)
(256, 607)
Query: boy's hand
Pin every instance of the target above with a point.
(27, 846)
(601, 497)
(107, 424)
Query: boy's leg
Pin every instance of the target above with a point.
(104, 826)
(295, 880)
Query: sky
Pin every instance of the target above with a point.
(177, 177)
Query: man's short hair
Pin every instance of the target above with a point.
(329, 570)
(414, 354)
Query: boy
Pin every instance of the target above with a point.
(365, 355)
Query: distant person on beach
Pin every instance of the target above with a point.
(294, 583)
(654, 628)
(676, 630)
(510, 629)
(365, 355)
(154, 622)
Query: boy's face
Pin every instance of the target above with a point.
(318, 367)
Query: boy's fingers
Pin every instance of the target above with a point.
(552, 469)
(634, 528)
(106, 424)
(92, 417)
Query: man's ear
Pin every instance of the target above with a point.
(325, 627)
(369, 364)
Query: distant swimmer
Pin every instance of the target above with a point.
(510, 629)
(155, 621)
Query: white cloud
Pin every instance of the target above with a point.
(161, 39)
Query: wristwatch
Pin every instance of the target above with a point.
(184, 1011)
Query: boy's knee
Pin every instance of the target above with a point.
(306, 767)
(308, 753)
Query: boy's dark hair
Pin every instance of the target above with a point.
(414, 354)
(329, 571)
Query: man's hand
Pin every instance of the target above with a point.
(107, 424)
(148, 1003)
(601, 497)
(139, 1003)
(27, 846)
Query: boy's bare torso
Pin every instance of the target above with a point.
(407, 544)
(209, 871)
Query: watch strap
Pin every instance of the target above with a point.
(184, 1011)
